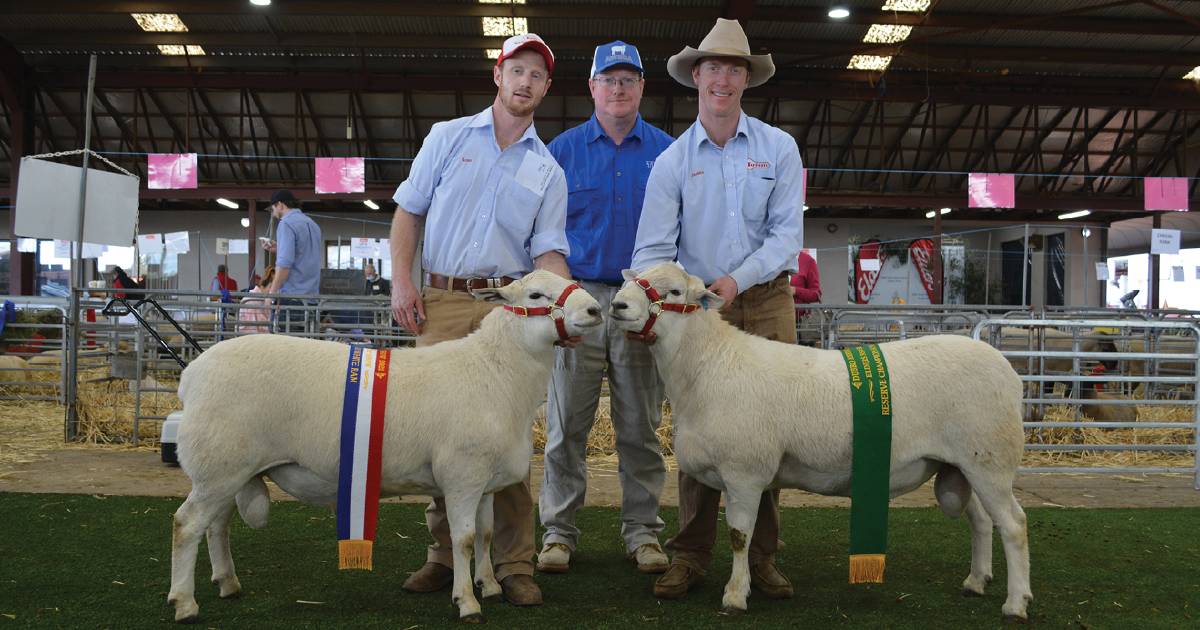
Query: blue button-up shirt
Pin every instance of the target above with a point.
(481, 220)
(300, 249)
(606, 183)
(735, 211)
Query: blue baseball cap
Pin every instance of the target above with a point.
(616, 53)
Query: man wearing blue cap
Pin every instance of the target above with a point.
(606, 161)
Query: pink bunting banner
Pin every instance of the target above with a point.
(991, 190)
(1166, 193)
(167, 171)
(341, 175)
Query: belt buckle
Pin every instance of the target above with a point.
(470, 282)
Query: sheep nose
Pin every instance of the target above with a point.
(594, 311)
(618, 306)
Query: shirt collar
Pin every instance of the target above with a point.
(595, 131)
(743, 129)
(485, 118)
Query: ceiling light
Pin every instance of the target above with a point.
(370, 204)
(504, 26)
(501, 1)
(1194, 74)
(839, 13)
(869, 62)
(492, 53)
(159, 22)
(175, 49)
(246, 220)
(887, 33)
(906, 6)
(930, 214)
(227, 203)
(1074, 215)
(261, 3)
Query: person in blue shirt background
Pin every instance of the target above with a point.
(726, 201)
(607, 161)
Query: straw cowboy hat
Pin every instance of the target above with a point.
(726, 39)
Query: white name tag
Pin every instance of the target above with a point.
(535, 172)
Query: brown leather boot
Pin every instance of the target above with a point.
(677, 581)
(430, 578)
(521, 590)
(768, 579)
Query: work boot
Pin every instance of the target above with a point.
(554, 558)
(430, 578)
(521, 590)
(677, 581)
(767, 578)
(650, 558)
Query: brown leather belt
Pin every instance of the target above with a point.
(451, 283)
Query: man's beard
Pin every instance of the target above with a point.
(518, 110)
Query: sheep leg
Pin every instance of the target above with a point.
(1009, 518)
(219, 555)
(741, 511)
(485, 576)
(191, 520)
(461, 510)
(981, 548)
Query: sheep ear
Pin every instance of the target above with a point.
(699, 293)
(629, 275)
(710, 300)
(494, 294)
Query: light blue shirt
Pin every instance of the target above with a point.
(735, 211)
(299, 248)
(481, 218)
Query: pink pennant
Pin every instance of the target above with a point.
(991, 190)
(170, 171)
(340, 175)
(1166, 193)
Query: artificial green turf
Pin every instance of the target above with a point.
(90, 561)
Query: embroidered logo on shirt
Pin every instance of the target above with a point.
(695, 173)
(751, 164)
(467, 160)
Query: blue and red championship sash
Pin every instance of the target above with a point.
(361, 450)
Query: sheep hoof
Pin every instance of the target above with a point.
(230, 587)
(970, 592)
(473, 618)
(730, 611)
(185, 612)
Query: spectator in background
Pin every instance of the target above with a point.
(376, 285)
(298, 253)
(222, 281)
(806, 283)
(121, 280)
(255, 314)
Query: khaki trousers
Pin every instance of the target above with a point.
(454, 315)
(765, 310)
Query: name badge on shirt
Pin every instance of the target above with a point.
(535, 172)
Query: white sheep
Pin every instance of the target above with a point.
(752, 414)
(458, 424)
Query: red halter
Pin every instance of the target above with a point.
(555, 311)
(657, 305)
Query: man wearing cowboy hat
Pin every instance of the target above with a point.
(726, 200)
(492, 203)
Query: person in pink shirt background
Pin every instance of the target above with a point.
(806, 283)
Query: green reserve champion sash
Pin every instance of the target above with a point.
(870, 391)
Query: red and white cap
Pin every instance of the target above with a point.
(524, 41)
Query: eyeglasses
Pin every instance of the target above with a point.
(611, 82)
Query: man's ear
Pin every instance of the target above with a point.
(495, 294)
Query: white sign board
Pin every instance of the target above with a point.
(150, 244)
(1164, 241)
(869, 264)
(363, 248)
(177, 242)
(27, 245)
(1177, 273)
(48, 204)
(1101, 271)
(222, 247)
(239, 246)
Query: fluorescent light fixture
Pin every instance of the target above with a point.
(370, 204)
(887, 33)
(1087, 232)
(159, 22)
(931, 213)
(906, 6)
(492, 53)
(839, 13)
(501, 1)
(1194, 74)
(261, 3)
(1074, 215)
(227, 203)
(875, 63)
(245, 220)
(175, 49)
(504, 26)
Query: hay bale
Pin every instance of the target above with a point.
(13, 369)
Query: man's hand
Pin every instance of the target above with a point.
(726, 288)
(269, 245)
(648, 338)
(405, 299)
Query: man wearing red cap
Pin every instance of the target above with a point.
(491, 203)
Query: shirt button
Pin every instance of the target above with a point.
(620, 199)
(618, 173)
(731, 213)
(475, 244)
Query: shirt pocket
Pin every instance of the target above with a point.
(517, 209)
(755, 197)
(579, 198)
